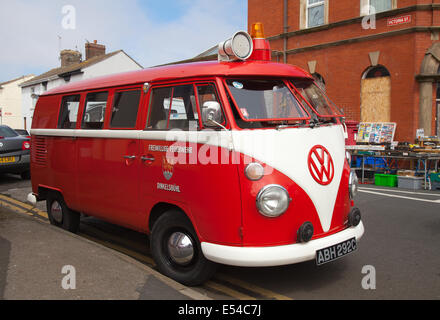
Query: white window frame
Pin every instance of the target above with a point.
(309, 6)
(366, 4)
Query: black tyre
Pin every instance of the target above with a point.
(25, 175)
(176, 250)
(60, 215)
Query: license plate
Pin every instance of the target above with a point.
(335, 251)
(7, 159)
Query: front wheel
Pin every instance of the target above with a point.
(176, 250)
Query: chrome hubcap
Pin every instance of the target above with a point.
(57, 212)
(180, 248)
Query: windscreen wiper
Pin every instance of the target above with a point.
(296, 125)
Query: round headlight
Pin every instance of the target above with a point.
(353, 184)
(273, 200)
(254, 171)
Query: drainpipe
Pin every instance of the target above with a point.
(286, 29)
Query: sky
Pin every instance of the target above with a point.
(152, 32)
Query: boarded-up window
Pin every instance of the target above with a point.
(376, 96)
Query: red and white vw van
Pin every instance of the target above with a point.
(240, 161)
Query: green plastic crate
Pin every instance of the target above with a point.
(435, 177)
(385, 180)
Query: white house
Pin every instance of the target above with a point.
(10, 102)
(97, 63)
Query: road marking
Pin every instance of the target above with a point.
(228, 291)
(403, 191)
(401, 197)
(14, 208)
(20, 207)
(252, 288)
(24, 205)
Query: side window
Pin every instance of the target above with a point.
(125, 109)
(69, 112)
(173, 108)
(207, 98)
(94, 110)
(315, 13)
(370, 7)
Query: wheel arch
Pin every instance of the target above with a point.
(44, 191)
(160, 208)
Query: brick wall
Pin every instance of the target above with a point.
(342, 63)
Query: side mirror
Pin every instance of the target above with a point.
(212, 113)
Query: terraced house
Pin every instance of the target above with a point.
(378, 59)
(74, 68)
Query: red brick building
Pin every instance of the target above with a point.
(378, 59)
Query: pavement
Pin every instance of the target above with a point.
(42, 262)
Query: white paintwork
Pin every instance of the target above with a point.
(214, 138)
(278, 255)
(287, 151)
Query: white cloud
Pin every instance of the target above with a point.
(29, 31)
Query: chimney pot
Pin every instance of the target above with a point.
(94, 50)
(70, 57)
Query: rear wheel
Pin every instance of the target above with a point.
(26, 175)
(176, 250)
(60, 215)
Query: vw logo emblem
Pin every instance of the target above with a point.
(321, 165)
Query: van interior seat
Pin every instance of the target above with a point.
(174, 124)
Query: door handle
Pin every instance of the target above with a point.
(145, 158)
(130, 157)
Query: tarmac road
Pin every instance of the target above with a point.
(401, 242)
(398, 257)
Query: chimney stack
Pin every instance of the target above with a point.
(94, 50)
(70, 57)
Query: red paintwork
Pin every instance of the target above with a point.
(186, 71)
(94, 178)
(259, 230)
(262, 51)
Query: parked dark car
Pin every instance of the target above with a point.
(14, 152)
(23, 132)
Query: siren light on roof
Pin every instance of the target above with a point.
(239, 47)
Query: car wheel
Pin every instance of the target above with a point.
(26, 175)
(176, 250)
(60, 215)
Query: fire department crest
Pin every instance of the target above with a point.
(167, 168)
